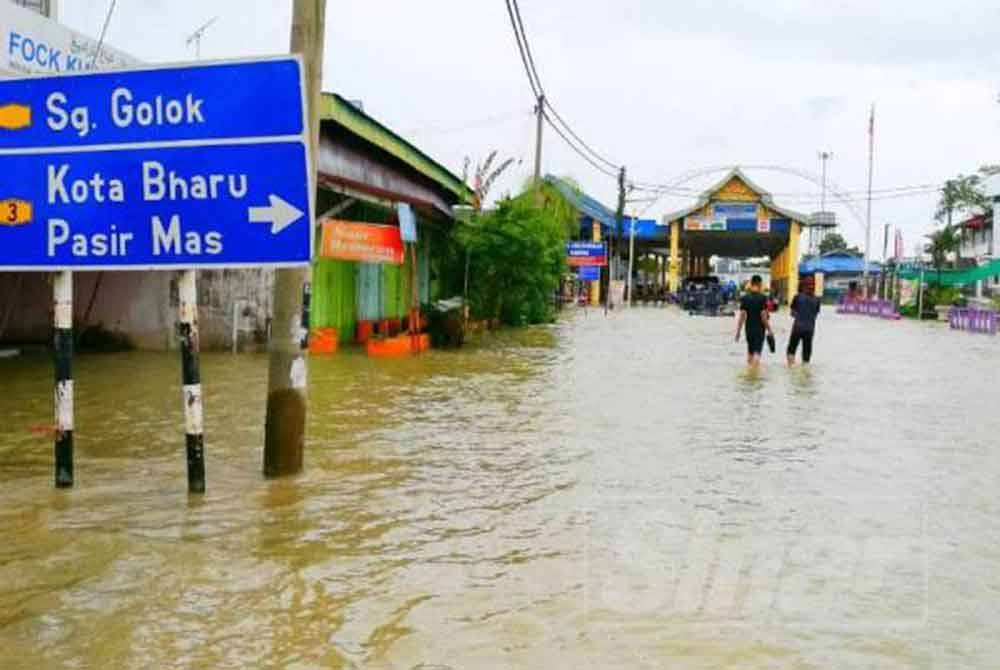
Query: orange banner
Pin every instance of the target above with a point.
(367, 242)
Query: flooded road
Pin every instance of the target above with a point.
(602, 493)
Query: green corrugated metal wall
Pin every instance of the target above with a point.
(396, 290)
(345, 291)
(369, 298)
(334, 296)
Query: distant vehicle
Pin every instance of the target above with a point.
(702, 295)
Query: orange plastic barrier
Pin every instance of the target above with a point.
(390, 347)
(401, 345)
(324, 341)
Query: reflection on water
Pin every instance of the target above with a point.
(607, 492)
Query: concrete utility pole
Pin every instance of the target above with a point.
(540, 112)
(631, 258)
(814, 234)
(868, 218)
(285, 429)
(619, 217)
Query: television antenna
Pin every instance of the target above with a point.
(195, 37)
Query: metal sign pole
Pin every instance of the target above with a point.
(62, 294)
(187, 331)
(631, 255)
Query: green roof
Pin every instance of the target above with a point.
(337, 109)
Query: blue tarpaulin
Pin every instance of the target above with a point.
(841, 262)
(645, 230)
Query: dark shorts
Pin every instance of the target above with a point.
(806, 338)
(755, 343)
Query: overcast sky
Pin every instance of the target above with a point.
(661, 87)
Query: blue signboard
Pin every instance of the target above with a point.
(735, 211)
(590, 273)
(407, 222)
(585, 249)
(178, 167)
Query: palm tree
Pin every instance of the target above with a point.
(942, 242)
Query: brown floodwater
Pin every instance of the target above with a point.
(602, 493)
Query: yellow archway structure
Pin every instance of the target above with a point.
(736, 219)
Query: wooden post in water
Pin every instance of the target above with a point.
(187, 332)
(62, 294)
(285, 425)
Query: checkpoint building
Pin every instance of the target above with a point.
(736, 218)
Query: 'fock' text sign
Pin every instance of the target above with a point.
(200, 166)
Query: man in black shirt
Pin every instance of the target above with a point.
(805, 309)
(755, 317)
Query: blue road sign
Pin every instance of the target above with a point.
(169, 104)
(179, 167)
(590, 273)
(586, 249)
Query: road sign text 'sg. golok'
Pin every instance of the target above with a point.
(159, 168)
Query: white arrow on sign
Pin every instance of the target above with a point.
(279, 214)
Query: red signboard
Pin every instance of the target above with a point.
(366, 242)
(587, 261)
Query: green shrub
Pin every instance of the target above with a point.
(516, 255)
(943, 295)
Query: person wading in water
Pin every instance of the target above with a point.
(805, 309)
(757, 320)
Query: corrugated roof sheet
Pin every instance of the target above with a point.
(586, 205)
(338, 109)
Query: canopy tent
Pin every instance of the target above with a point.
(953, 277)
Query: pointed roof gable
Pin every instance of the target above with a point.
(735, 185)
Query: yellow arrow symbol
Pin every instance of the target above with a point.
(15, 212)
(14, 116)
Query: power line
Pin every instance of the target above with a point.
(595, 154)
(597, 166)
(610, 168)
(471, 125)
(562, 128)
(527, 45)
(535, 89)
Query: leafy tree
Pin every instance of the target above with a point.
(964, 194)
(832, 242)
(960, 195)
(518, 255)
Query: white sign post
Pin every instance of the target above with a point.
(32, 44)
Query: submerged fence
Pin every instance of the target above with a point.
(973, 320)
(883, 309)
